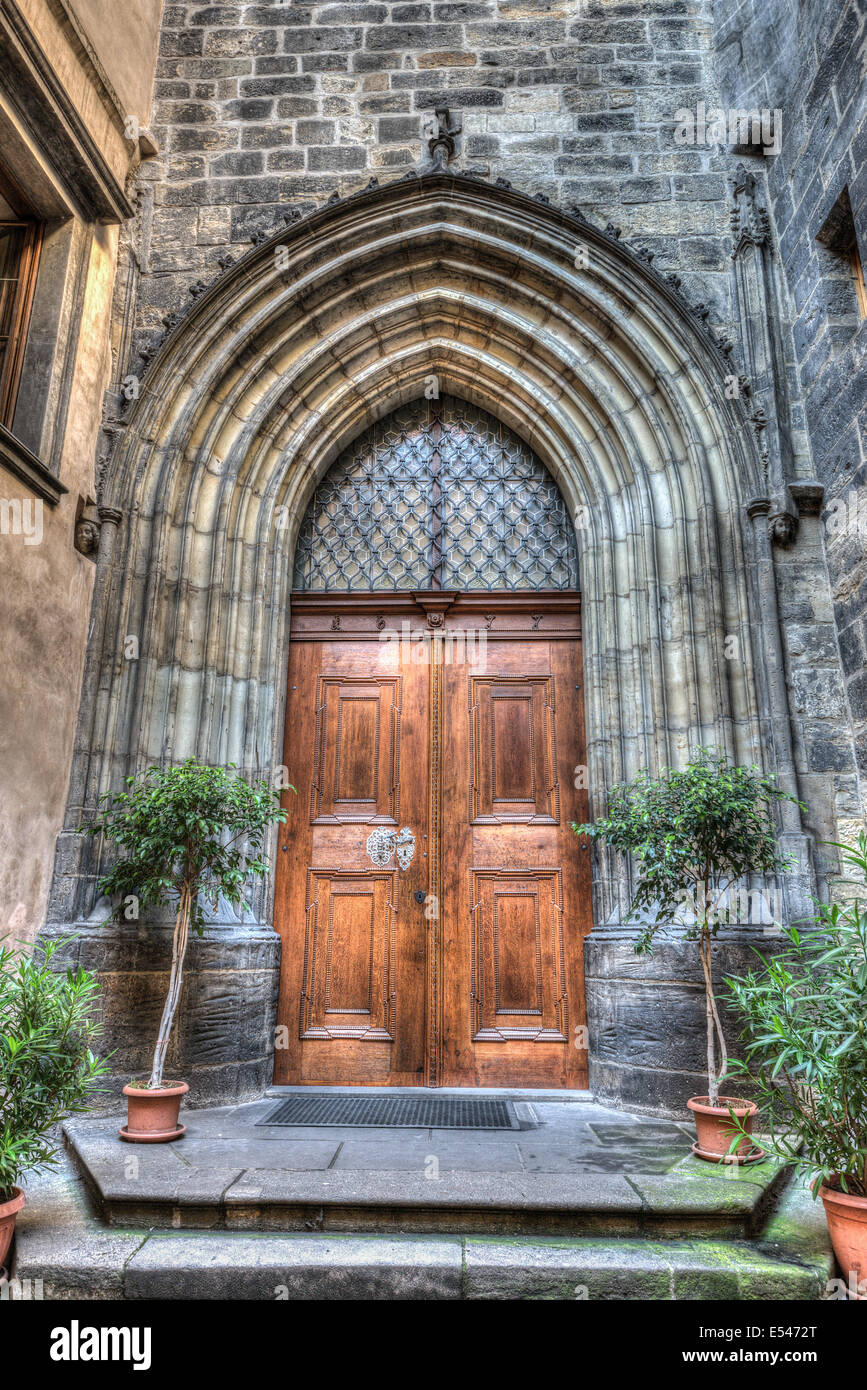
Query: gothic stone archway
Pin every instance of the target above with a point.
(596, 364)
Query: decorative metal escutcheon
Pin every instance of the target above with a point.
(382, 843)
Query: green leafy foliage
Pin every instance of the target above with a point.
(192, 826)
(805, 1035)
(190, 833)
(693, 833)
(47, 1065)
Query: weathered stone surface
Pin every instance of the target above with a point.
(224, 1037)
(576, 1169)
(646, 1017)
(815, 77)
(62, 1252)
(295, 1267)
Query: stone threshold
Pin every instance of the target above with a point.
(581, 1171)
(493, 1092)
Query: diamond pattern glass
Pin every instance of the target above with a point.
(438, 494)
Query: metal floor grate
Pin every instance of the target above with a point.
(396, 1112)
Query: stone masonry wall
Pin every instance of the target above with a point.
(809, 58)
(260, 106)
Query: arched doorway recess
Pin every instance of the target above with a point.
(599, 367)
(430, 896)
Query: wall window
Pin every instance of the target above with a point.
(20, 239)
(844, 271)
(858, 277)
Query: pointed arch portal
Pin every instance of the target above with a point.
(534, 319)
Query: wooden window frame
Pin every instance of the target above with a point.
(858, 277)
(13, 359)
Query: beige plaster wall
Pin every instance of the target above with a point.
(88, 40)
(125, 38)
(44, 615)
(103, 54)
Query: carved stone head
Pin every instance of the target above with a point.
(87, 531)
(781, 528)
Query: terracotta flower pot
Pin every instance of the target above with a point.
(152, 1116)
(847, 1225)
(8, 1213)
(715, 1131)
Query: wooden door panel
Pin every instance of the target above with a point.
(357, 751)
(352, 991)
(518, 982)
(466, 967)
(513, 1007)
(349, 978)
(512, 750)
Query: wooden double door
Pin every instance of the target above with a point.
(431, 897)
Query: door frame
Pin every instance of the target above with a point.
(516, 615)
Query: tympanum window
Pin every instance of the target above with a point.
(437, 495)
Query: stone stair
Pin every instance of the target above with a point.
(65, 1242)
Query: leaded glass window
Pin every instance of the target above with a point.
(437, 495)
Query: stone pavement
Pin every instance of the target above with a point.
(610, 1204)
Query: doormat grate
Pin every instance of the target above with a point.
(396, 1112)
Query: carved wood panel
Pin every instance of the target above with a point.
(349, 983)
(513, 757)
(518, 974)
(357, 751)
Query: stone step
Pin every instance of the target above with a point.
(224, 1265)
(560, 1177)
(681, 1204)
(62, 1243)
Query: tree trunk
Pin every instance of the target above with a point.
(712, 1019)
(179, 951)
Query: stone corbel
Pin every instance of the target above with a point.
(87, 528)
(787, 507)
(783, 519)
(442, 143)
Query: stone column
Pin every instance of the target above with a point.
(799, 886)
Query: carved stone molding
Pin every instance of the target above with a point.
(443, 142)
(748, 217)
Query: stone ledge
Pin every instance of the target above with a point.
(18, 460)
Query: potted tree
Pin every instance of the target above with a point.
(47, 1065)
(805, 1036)
(191, 834)
(693, 834)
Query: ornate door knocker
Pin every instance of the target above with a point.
(382, 843)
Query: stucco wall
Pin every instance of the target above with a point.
(46, 584)
(44, 613)
(125, 39)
